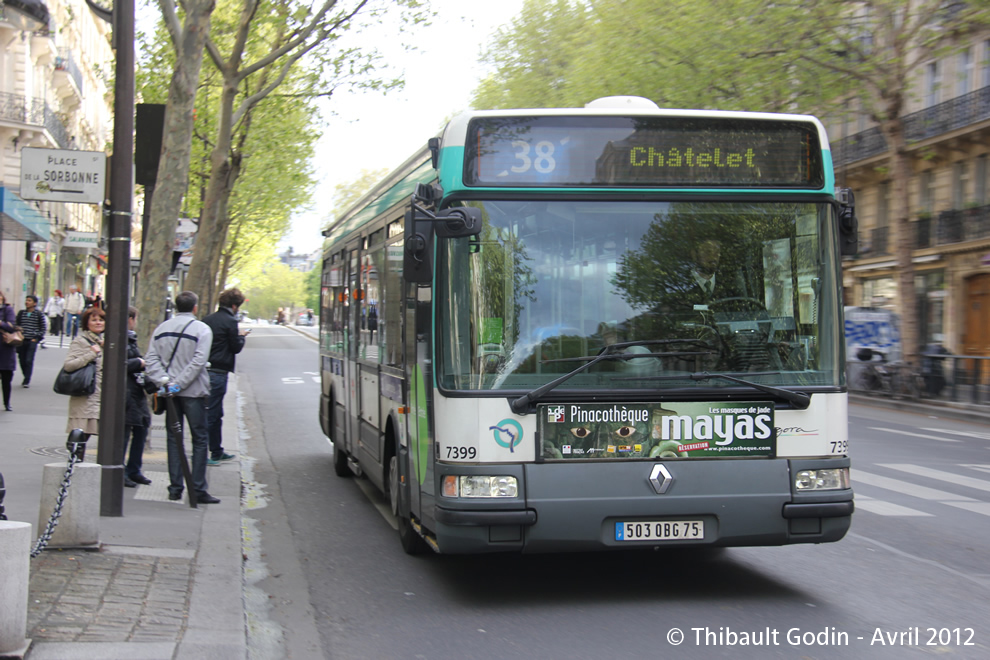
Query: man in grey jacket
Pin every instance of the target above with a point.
(176, 361)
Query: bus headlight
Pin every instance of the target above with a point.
(830, 479)
(479, 486)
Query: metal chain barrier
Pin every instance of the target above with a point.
(76, 445)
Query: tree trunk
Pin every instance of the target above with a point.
(904, 238)
(173, 171)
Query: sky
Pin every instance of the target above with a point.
(375, 131)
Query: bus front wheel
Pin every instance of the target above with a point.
(340, 461)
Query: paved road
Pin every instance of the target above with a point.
(910, 580)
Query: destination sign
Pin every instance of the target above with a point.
(643, 152)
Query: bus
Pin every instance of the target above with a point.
(608, 327)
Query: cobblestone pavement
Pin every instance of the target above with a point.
(108, 597)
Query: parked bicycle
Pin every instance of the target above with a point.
(894, 379)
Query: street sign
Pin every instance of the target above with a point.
(81, 239)
(63, 175)
(37, 262)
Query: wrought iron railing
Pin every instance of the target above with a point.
(956, 113)
(34, 112)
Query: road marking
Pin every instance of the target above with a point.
(883, 508)
(967, 434)
(977, 466)
(976, 507)
(958, 479)
(915, 435)
(906, 488)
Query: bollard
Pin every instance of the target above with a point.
(15, 572)
(3, 493)
(79, 525)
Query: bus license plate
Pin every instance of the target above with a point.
(660, 530)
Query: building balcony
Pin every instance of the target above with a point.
(945, 228)
(23, 113)
(67, 78)
(939, 119)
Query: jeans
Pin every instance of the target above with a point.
(25, 355)
(71, 324)
(194, 411)
(214, 411)
(137, 436)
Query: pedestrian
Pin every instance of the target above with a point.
(176, 361)
(54, 309)
(84, 411)
(372, 323)
(137, 418)
(8, 353)
(75, 305)
(33, 325)
(228, 341)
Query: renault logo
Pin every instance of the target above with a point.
(660, 479)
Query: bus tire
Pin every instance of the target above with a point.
(412, 543)
(340, 467)
(340, 462)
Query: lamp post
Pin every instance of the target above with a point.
(114, 388)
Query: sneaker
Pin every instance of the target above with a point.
(129, 484)
(212, 461)
(226, 457)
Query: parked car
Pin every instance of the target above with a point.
(305, 318)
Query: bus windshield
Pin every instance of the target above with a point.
(668, 289)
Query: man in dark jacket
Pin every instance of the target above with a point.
(138, 415)
(227, 343)
(33, 323)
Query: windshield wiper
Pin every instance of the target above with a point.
(796, 399)
(520, 406)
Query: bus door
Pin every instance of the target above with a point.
(419, 380)
(351, 345)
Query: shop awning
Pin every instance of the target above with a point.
(19, 221)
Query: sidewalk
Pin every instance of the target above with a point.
(166, 580)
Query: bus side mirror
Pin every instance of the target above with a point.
(459, 222)
(848, 225)
(417, 258)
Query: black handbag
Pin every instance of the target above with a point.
(81, 382)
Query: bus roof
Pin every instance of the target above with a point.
(402, 182)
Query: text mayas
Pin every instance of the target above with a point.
(721, 425)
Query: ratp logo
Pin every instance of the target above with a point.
(508, 433)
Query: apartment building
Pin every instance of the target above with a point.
(54, 94)
(948, 132)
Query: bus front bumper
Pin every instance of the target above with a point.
(576, 507)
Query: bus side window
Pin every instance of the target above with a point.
(390, 308)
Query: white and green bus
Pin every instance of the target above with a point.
(598, 328)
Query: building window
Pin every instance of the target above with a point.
(932, 82)
(879, 292)
(986, 63)
(883, 205)
(930, 290)
(960, 179)
(980, 194)
(965, 71)
(926, 196)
